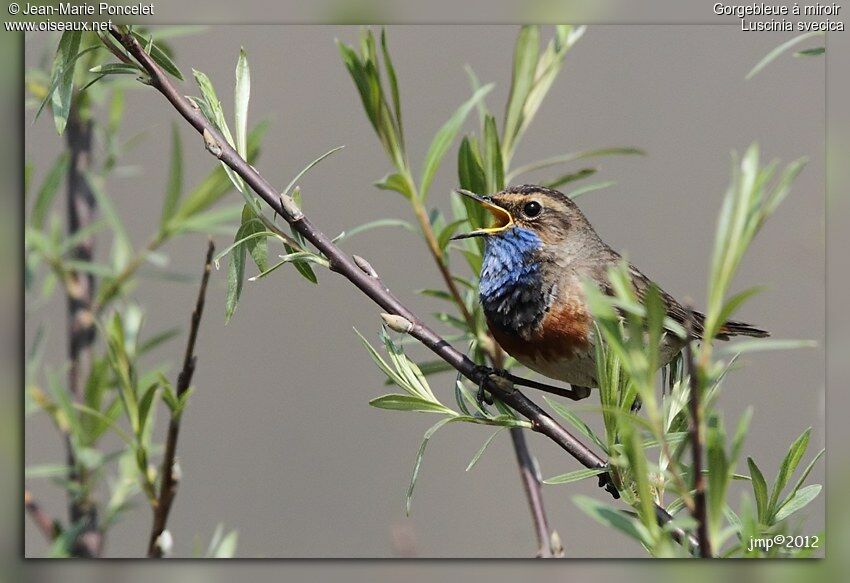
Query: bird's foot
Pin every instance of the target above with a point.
(483, 372)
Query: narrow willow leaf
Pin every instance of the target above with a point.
(174, 186)
(46, 471)
(575, 476)
(396, 182)
(572, 157)
(613, 518)
(388, 65)
(60, 67)
(159, 56)
(759, 489)
(235, 277)
(803, 476)
(798, 501)
(408, 403)
(242, 95)
(480, 452)
(215, 114)
(256, 246)
(47, 193)
(418, 464)
(493, 165)
(575, 421)
(116, 69)
(764, 344)
(444, 139)
(525, 65)
(772, 55)
(63, 69)
(570, 177)
(590, 188)
(347, 234)
(308, 167)
(788, 467)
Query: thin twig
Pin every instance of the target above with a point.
(371, 286)
(81, 330)
(697, 439)
(45, 524)
(169, 483)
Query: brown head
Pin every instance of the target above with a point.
(550, 214)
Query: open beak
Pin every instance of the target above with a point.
(502, 218)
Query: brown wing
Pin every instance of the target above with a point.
(679, 314)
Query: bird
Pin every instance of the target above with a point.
(538, 252)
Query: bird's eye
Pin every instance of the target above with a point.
(532, 209)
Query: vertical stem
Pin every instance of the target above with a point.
(697, 439)
(81, 330)
(169, 483)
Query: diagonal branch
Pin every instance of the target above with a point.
(697, 439)
(170, 479)
(339, 262)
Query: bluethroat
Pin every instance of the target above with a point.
(537, 254)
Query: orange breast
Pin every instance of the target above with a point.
(563, 331)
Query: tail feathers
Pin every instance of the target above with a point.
(735, 328)
(732, 328)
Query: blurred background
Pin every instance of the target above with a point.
(280, 443)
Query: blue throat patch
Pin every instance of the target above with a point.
(510, 285)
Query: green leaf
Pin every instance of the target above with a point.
(480, 452)
(759, 489)
(613, 518)
(159, 56)
(222, 546)
(800, 499)
(63, 69)
(763, 344)
(575, 476)
(397, 402)
(572, 157)
(174, 186)
(471, 172)
(256, 246)
(803, 476)
(46, 471)
(576, 422)
(444, 139)
(215, 114)
(308, 167)
(235, 277)
(374, 225)
(771, 56)
(590, 188)
(493, 165)
(418, 464)
(116, 69)
(47, 192)
(570, 177)
(525, 65)
(388, 65)
(788, 467)
(395, 182)
(242, 95)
